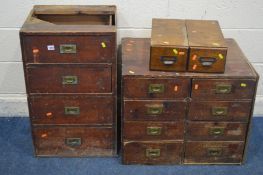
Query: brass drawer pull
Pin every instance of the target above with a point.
(216, 131)
(69, 80)
(68, 48)
(152, 153)
(154, 109)
(219, 111)
(154, 131)
(73, 142)
(156, 88)
(223, 88)
(71, 110)
(168, 60)
(207, 61)
(215, 152)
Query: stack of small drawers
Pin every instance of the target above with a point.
(189, 118)
(69, 55)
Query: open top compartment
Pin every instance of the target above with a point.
(76, 15)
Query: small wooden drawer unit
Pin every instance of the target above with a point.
(187, 45)
(185, 118)
(69, 58)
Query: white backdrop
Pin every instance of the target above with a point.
(239, 19)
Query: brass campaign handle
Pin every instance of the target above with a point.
(219, 111)
(70, 80)
(214, 152)
(73, 142)
(68, 48)
(154, 109)
(69, 110)
(156, 88)
(223, 88)
(154, 131)
(152, 153)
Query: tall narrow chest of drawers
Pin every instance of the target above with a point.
(187, 118)
(69, 57)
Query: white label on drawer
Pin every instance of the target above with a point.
(50, 47)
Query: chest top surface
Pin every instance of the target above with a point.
(136, 57)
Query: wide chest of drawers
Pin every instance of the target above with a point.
(69, 57)
(185, 118)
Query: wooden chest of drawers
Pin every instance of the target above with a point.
(69, 56)
(187, 118)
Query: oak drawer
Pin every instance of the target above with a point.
(169, 88)
(70, 49)
(214, 152)
(220, 110)
(223, 89)
(216, 131)
(154, 110)
(71, 109)
(69, 78)
(165, 152)
(138, 130)
(73, 141)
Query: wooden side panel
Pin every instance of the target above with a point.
(216, 131)
(88, 49)
(168, 88)
(223, 89)
(154, 110)
(73, 141)
(152, 152)
(134, 130)
(220, 110)
(71, 109)
(56, 78)
(214, 152)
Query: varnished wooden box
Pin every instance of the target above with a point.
(187, 45)
(185, 118)
(69, 58)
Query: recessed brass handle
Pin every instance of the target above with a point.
(68, 48)
(216, 131)
(154, 131)
(168, 60)
(155, 109)
(223, 88)
(69, 80)
(71, 110)
(73, 142)
(156, 88)
(214, 152)
(153, 153)
(219, 111)
(207, 61)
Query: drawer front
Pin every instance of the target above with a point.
(207, 60)
(214, 152)
(168, 59)
(156, 88)
(154, 110)
(153, 130)
(216, 131)
(71, 109)
(152, 152)
(73, 141)
(219, 111)
(69, 49)
(219, 89)
(59, 78)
